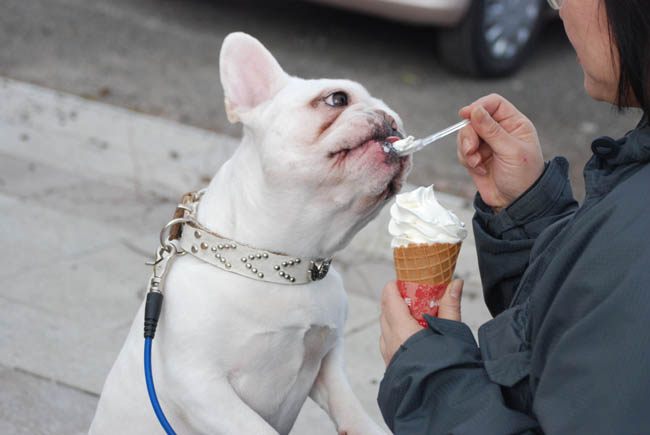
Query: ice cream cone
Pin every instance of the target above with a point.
(430, 264)
(423, 273)
(426, 242)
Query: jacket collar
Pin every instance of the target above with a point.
(614, 159)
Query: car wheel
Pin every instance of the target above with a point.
(493, 38)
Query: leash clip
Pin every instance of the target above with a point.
(165, 253)
(164, 256)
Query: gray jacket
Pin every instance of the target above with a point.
(568, 350)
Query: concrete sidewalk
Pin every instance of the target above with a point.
(84, 190)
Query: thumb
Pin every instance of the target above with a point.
(450, 302)
(490, 130)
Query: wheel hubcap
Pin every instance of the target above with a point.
(508, 25)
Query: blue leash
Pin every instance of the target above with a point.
(151, 315)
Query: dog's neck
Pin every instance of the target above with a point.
(239, 205)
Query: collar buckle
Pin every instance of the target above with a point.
(318, 269)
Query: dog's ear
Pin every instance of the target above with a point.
(250, 74)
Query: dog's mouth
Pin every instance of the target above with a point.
(378, 137)
(376, 154)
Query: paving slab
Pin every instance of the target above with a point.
(54, 347)
(33, 235)
(104, 286)
(87, 156)
(32, 405)
(106, 142)
(122, 208)
(21, 177)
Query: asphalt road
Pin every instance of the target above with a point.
(161, 57)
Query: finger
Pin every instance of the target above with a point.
(472, 152)
(479, 169)
(385, 292)
(491, 101)
(497, 106)
(385, 332)
(466, 143)
(393, 306)
(467, 140)
(490, 130)
(450, 302)
(481, 156)
(383, 325)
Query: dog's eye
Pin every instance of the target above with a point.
(337, 99)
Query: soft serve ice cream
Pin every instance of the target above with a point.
(418, 218)
(404, 146)
(426, 242)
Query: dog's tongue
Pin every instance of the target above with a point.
(392, 139)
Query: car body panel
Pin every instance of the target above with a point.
(426, 12)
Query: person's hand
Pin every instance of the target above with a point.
(500, 149)
(396, 322)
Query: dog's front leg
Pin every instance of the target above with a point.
(215, 408)
(333, 393)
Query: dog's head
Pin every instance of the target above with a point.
(320, 145)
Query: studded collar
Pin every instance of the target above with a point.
(231, 256)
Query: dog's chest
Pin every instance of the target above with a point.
(267, 340)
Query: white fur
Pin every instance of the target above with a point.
(233, 355)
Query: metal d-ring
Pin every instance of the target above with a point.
(164, 237)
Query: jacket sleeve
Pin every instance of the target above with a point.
(436, 384)
(504, 241)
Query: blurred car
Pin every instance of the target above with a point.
(477, 37)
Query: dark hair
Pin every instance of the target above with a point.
(629, 24)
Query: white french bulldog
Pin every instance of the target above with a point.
(235, 355)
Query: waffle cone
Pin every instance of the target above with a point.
(432, 264)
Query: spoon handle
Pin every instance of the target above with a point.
(418, 144)
(446, 132)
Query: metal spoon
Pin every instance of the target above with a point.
(411, 145)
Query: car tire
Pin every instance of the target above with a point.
(471, 47)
